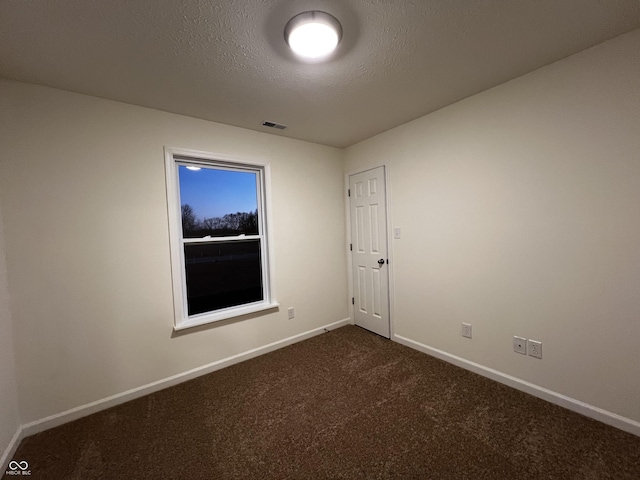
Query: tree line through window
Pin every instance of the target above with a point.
(230, 224)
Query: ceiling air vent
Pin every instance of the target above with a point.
(274, 125)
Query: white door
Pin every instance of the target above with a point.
(369, 250)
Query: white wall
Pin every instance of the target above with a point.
(9, 412)
(82, 188)
(520, 213)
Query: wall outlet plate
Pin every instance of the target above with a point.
(291, 312)
(535, 348)
(466, 330)
(520, 345)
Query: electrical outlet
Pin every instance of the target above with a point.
(520, 345)
(291, 312)
(535, 348)
(466, 330)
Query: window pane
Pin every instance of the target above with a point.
(222, 274)
(217, 202)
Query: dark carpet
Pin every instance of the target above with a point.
(345, 404)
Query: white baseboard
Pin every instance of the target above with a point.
(93, 407)
(569, 403)
(7, 456)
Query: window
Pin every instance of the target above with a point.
(219, 243)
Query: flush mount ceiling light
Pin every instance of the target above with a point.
(313, 35)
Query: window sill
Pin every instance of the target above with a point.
(224, 315)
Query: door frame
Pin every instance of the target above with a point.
(390, 270)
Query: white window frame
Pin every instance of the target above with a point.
(174, 157)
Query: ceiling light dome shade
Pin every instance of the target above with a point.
(313, 34)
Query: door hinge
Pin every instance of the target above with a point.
(351, 247)
(349, 192)
(353, 300)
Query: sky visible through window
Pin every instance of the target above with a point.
(214, 193)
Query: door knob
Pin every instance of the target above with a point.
(381, 262)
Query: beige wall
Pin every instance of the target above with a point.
(520, 213)
(9, 411)
(82, 188)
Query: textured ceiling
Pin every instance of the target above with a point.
(226, 61)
